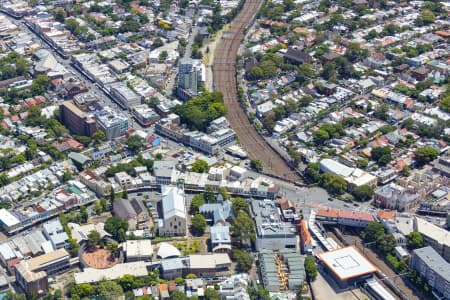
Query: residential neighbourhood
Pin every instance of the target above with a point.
(234, 150)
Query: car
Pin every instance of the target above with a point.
(346, 205)
(356, 204)
(330, 199)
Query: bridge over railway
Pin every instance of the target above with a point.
(224, 71)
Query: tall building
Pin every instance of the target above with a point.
(189, 78)
(123, 95)
(436, 271)
(113, 123)
(78, 121)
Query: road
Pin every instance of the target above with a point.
(224, 70)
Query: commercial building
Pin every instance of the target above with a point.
(353, 176)
(78, 121)
(54, 232)
(32, 283)
(434, 236)
(144, 115)
(138, 250)
(164, 171)
(436, 271)
(344, 217)
(395, 197)
(123, 95)
(114, 124)
(346, 265)
(174, 212)
(210, 265)
(271, 232)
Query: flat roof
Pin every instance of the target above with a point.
(346, 263)
(207, 261)
(40, 261)
(7, 218)
(138, 248)
(91, 275)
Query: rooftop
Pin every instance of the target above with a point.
(434, 261)
(91, 275)
(138, 248)
(346, 263)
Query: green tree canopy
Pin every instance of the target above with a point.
(310, 268)
(134, 143)
(373, 232)
(109, 290)
(200, 166)
(414, 240)
(382, 155)
(363, 192)
(199, 111)
(197, 201)
(333, 184)
(198, 224)
(243, 260)
(256, 165)
(93, 239)
(114, 225)
(239, 204)
(243, 228)
(424, 155)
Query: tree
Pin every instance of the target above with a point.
(197, 201)
(329, 71)
(39, 84)
(243, 260)
(243, 228)
(134, 143)
(424, 155)
(81, 290)
(310, 268)
(178, 295)
(387, 244)
(117, 228)
(67, 175)
(334, 184)
(127, 282)
(163, 55)
(320, 136)
(355, 52)
(445, 102)
(93, 239)
(239, 204)
(362, 163)
(109, 290)
(256, 165)
(98, 136)
(312, 172)
(179, 281)
(200, 166)
(113, 247)
(363, 192)
(198, 224)
(382, 155)
(414, 240)
(373, 232)
(212, 294)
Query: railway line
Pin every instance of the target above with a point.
(224, 71)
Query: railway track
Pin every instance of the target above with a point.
(224, 71)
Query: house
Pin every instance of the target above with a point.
(173, 212)
(134, 211)
(421, 73)
(212, 265)
(297, 57)
(220, 238)
(138, 250)
(80, 160)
